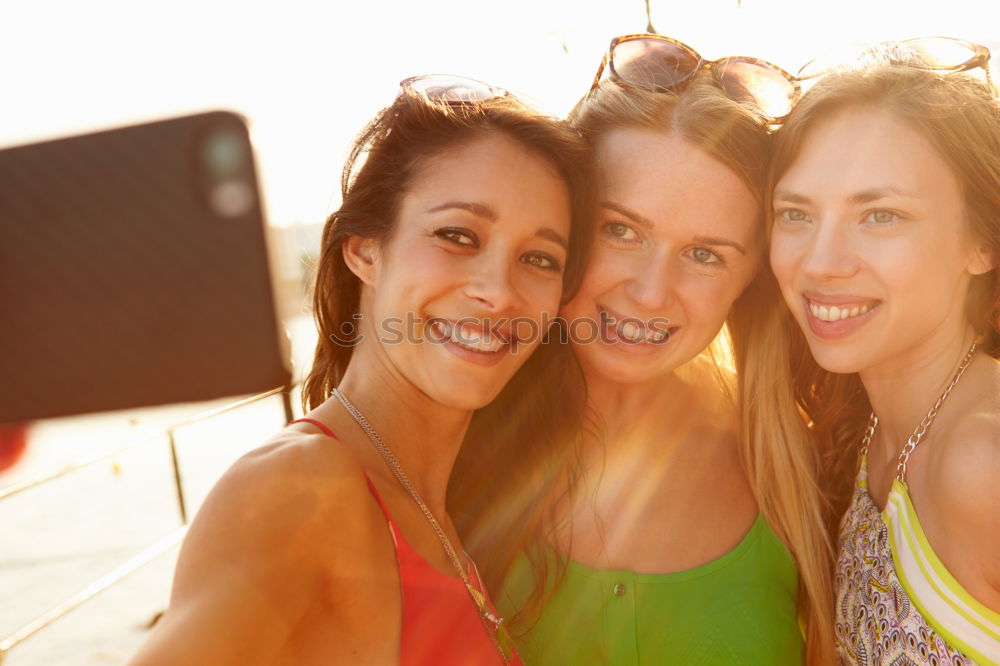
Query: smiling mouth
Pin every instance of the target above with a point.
(471, 338)
(831, 313)
(634, 330)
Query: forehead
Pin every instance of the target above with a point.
(864, 148)
(494, 170)
(670, 180)
(478, 156)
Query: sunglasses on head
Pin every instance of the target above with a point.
(654, 62)
(934, 54)
(450, 90)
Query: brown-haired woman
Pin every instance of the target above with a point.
(674, 538)
(886, 236)
(462, 218)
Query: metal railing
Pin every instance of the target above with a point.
(151, 552)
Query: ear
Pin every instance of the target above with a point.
(982, 259)
(361, 256)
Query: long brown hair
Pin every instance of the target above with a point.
(804, 415)
(382, 163)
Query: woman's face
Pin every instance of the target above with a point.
(676, 244)
(459, 290)
(869, 243)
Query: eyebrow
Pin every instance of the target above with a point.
(862, 197)
(715, 240)
(648, 224)
(489, 213)
(630, 214)
(476, 208)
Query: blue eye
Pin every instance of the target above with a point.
(458, 236)
(706, 257)
(791, 215)
(882, 216)
(621, 231)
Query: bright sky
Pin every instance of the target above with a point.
(309, 74)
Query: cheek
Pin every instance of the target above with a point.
(707, 300)
(605, 271)
(541, 296)
(784, 258)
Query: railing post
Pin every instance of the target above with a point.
(178, 482)
(286, 402)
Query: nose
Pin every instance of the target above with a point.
(830, 253)
(651, 286)
(491, 284)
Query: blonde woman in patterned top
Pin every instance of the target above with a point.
(885, 240)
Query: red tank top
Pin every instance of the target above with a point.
(441, 624)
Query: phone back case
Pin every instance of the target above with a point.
(133, 271)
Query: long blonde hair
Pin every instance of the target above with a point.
(783, 478)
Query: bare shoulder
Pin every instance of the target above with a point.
(261, 552)
(284, 492)
(965, 468)
(966, 497)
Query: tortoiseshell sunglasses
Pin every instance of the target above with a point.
(655, 62)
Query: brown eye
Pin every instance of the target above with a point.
(458, 236)
(541, 260)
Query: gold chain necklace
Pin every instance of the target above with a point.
(492, 623)
(925, 423)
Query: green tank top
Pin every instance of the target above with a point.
(737, 609)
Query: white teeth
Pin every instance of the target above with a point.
(632, 332)
(656, 336)
(441, 329)
(476, 340)
(835, 313)
(466, 337)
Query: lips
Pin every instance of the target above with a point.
(634, 330)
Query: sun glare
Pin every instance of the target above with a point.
(308, 74)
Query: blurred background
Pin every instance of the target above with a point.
(307, 75)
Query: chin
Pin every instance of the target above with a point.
(618, 370)
(841, 361)
(464, 397)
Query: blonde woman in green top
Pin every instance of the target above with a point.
(630, 522)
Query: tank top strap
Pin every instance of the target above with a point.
(318, 424)
(393, 530)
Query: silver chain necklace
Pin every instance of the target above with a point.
(925, 423)
(492, 623)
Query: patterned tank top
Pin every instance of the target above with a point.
(896, 603)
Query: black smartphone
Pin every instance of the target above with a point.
(134, 270)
